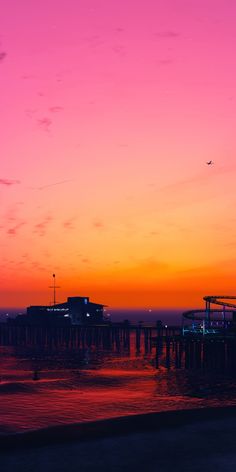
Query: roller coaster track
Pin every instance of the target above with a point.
(215, 300)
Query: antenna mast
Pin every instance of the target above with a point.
(54, 286)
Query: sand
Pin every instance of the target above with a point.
(196, 440)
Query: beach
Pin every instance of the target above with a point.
(196, 440)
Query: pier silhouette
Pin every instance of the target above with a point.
(166, 346)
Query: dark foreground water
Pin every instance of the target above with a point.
(41, 387)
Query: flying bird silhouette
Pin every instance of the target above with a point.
(209, 163)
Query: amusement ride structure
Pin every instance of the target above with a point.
(212, 320)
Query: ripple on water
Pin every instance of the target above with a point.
(70, 387)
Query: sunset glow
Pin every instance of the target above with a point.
(109, 112)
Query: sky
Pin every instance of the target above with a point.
(109, 111)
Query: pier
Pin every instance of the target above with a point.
(110, 336)
(218, 316)
(166, 346)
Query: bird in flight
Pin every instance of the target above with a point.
(209, 163)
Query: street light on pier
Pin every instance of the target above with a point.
(54, 286)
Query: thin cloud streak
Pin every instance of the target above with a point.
(197, 178)
(167, 34)
(56, 109)
(51, 185)
(9, 182)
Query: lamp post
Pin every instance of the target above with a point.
(54, 286)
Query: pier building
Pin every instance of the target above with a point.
(75, 311)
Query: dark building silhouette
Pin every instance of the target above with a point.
(76, 311)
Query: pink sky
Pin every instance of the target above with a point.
(109, 111)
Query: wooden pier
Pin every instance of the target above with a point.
(116, 335)
(166, 345)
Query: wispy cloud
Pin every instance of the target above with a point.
(197, 188)
(69, 224)
(152, 264)
(9, 182)
(167, 34)
(165, 62)
(25, 256)
(149, 265)
(30, 112)
(56, 109)
(40, 228)
(119, 50)
(98, 224)
(94, 41)
(33, 265)
(45, 124)
(200, 177)
(119, 30)
(2, 55)
(14, 230)
(28, 76)
(51, 185)
(154, 233)
(85, 261)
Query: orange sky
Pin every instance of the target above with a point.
(109, 112)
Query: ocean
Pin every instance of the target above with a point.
(42, 387)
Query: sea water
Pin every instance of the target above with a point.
(41, 387)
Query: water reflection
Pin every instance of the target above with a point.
(44, 386)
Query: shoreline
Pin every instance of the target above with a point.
(114, 427)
